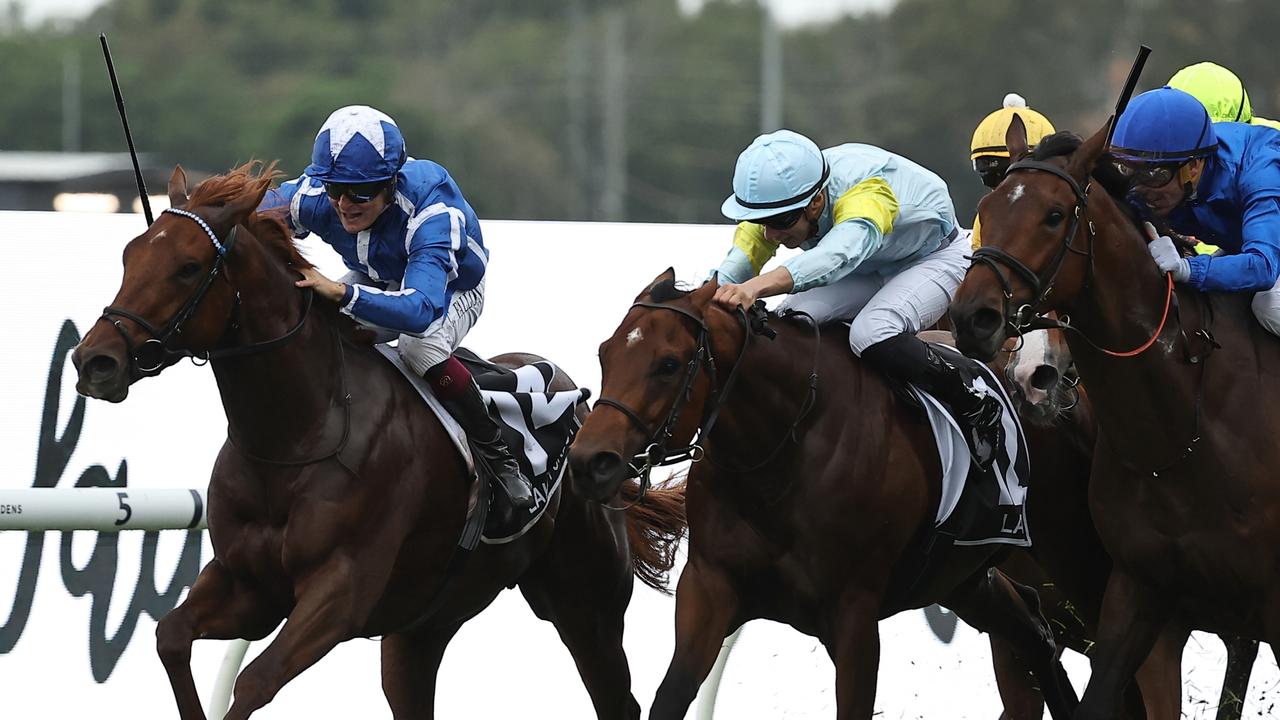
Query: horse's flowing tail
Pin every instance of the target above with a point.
(655, 525)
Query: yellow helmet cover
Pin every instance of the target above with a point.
(988, 138)
(1217, 88)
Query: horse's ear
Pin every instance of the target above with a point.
(1086, 156)
(178, 187)
(1015, 138)
(668, 275)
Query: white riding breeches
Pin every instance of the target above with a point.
(1266, 307)
(880, 307)
(441, 337)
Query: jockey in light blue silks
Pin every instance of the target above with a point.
(1219, 182)
(416, 259)
(881, 248)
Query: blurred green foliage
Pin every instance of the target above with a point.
(511, 95)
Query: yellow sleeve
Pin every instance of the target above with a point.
(872, 199)
(977, 232)
(749, 238)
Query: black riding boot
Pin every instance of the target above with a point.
(908, 358)
(489, 447)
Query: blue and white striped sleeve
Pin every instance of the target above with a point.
(433, 239)
(291, 194)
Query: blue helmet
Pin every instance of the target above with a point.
(357, 144)
(1164, 126)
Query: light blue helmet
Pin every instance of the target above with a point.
(1164, 126)
(779, 171)
(357, 144)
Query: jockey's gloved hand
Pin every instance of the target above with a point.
(1166, 255)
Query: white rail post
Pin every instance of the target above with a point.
(711, 686)
(220, 701)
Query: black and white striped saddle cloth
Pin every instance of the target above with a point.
(538, 424)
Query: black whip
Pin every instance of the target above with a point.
(128, 136)
(1129, 84)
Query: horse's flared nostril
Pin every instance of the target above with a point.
(1045, 377)
(605, 465)
(100, 368)
(985, 322)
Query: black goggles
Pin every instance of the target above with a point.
(991, 168)
(783, 221)
(358, 193)
(1148, 174)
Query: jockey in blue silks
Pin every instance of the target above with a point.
(1219, 182)
(416, 259)
(882, 249)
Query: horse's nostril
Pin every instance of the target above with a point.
(1045, 377)
(100, 368)
(985, 322)
(604, 464)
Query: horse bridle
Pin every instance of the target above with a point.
(656, 453)
(1026, 317)
(155, 353)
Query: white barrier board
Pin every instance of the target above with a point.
(76, 636)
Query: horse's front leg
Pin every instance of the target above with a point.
(1132, 618)
(333, 604)
(219, 607)
(855, 649)
(706, 606)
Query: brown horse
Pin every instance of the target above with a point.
(818, 484)
(337, 501)
(1182, 490)
(1050, 398)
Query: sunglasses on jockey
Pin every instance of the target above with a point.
(359, 193)
(1149, 174)
(783, 221)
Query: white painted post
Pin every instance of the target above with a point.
(711, 686)
(220, 701)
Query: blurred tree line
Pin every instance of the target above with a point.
(599, 109)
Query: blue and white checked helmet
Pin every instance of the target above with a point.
(779, 171)
(357, 144)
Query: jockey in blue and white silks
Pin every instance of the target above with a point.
(1218, 182)
(416, 258)
(881, 248)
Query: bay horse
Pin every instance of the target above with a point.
(1050, 398)
(337, 500)
(810, 499)
(1182, 490)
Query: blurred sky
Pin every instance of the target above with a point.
(789, 12)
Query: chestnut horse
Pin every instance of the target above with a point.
(1183, 489)
(815, 500)
(337, 500)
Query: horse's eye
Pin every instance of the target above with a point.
(667, 366)
(1054, 218)
(188, 270)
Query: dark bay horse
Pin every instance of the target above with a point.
(1068, 565)
(1183, 488)
(817, 483)
(337, 500)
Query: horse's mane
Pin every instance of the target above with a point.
(1065, 142)
(252, 179)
